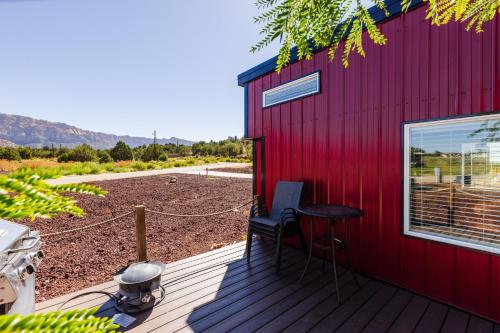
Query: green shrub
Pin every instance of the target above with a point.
(10, 154)
(138, 152)
(104, 156)
(26, 153)
(163, 157)
(122, 152)
(139, 166)
(109, 167)
(154, 152)
(64, 157)
(82, 153)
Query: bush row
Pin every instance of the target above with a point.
(233, 147)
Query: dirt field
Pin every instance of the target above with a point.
(89, 257)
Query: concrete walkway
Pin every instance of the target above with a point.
(192, 170)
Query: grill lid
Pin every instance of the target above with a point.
(140, 272)
(10, 233)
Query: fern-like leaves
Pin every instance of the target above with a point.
(72, 321)
(25, 194)
(308, 24)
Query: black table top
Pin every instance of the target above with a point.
(330, 211)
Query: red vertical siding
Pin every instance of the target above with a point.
(345, 143)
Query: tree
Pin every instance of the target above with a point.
(325, 23)
(182, 150)
(25, 194)
(81, 153)
(104, 156)
(10, 154)
(26, 153)
(154, 152)
(57, 321)
(122, 152)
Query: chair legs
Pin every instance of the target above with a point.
(279, 246)
(303, 241)
(249, 244)
(279, 242)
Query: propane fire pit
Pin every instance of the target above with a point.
(140, 286)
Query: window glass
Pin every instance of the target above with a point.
(452, 181)
(305, 86)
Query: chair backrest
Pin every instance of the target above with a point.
(286, 195)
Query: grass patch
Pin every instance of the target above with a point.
(92, 168)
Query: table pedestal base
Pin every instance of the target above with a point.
(320, 243)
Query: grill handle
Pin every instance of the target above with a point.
(34, 243)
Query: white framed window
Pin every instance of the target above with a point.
(452, 181)
(305, 86)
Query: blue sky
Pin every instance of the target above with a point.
(129, 66)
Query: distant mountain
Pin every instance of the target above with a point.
(7, 143)
(26, 131)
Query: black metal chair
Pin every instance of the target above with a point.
(281, 222)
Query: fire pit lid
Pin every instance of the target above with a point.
(140, 272)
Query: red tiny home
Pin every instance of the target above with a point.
(407, 134)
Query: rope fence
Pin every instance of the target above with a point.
(200, 215)
(86, 226)
(234, 209)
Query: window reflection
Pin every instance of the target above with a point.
(455, 180)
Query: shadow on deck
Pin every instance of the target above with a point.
(217, 292)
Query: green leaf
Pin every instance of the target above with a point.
(74, 321)
(305, 24)
(26, 194)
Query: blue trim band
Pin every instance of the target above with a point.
(245, 121)
(393, 7)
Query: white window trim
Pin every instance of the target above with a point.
(289, 84)
(406, 184)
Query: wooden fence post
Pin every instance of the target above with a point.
(140, 232)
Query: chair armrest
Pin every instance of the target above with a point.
(288, 215)
(258, 207)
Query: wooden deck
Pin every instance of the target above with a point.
(217, 292)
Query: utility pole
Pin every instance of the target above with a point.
(155, 148)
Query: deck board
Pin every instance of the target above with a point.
(433, 318)
(456, 322)
(336, 318)
(478, 325)
(384, 319)
(363, 316)
(302, 307)
(410, 316)
(218, 292)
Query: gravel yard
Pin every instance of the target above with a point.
(88, 257)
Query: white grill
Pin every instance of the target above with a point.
(20, 256)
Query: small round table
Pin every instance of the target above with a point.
(332, 213)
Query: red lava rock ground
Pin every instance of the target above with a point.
(85, 258)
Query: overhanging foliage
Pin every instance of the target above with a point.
(309, 24)
(26, 194)
(74, 321)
